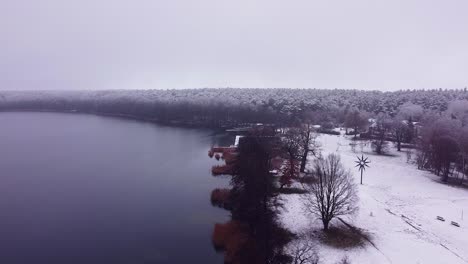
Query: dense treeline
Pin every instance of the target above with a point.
(434, 121)
(443, 144)
(229, 107)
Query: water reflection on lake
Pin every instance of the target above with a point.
(86, 189)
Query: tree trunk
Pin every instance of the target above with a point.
(325, 224)
(463, 170)
(445, 174)
(445, 177)
(399, 145)
(304, 161)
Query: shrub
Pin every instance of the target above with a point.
(221, 198)
(222, 170)
(230, 237)
(344, 260)
(329, 132)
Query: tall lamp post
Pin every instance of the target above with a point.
(362, 164)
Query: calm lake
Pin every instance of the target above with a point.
(80, 188)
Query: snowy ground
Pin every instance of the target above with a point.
(398, 208)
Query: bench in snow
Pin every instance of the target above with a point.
(440, 218)
(455, 224)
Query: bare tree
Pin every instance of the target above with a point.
(382, 128)
(291, 145)
(445, 152)
(333, 193)
(458, 109)
(410, 111)
(399, 128)
(307, 142)
(303, 251)
(356, 121)
(439, 146)
(297, 143)
(464, 153)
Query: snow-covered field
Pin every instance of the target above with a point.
(398, 208)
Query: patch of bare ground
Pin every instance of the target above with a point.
(344, 236)
(291, 190)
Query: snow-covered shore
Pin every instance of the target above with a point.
(398, 209)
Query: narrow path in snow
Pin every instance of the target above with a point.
(424, 235)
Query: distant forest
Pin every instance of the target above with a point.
(229, 107)
(434, 122)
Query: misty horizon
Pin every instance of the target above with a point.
(32, 91)
(363, 45)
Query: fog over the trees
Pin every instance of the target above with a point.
(231, 107)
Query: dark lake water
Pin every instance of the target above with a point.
(86, 189)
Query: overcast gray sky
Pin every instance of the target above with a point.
(154, 44)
